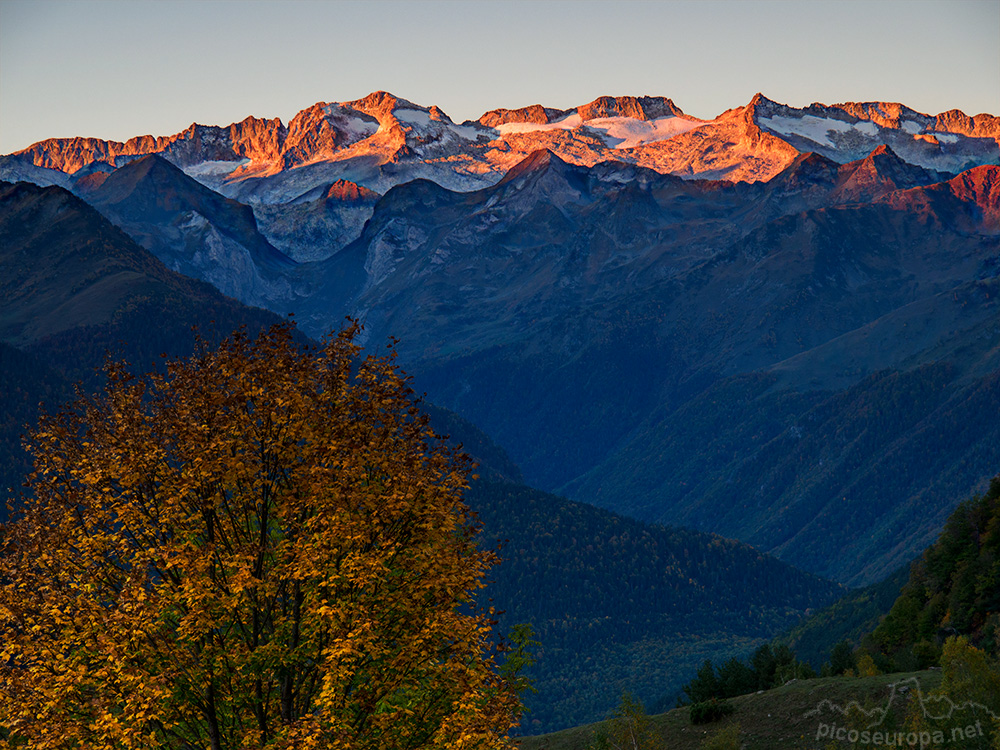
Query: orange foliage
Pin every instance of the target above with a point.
(264, 547)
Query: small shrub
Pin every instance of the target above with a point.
(866, 665)
(710, 710)
(724, 739)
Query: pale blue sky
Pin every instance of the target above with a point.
(116, 68)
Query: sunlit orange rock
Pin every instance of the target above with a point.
(535, 113)
(346, 191)
(382, 140)
(638, 108)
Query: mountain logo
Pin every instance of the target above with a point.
(853, 723)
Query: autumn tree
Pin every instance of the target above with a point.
(970, 690)
(629, 728)
(264, 546)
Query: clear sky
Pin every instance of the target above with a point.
(118, 68)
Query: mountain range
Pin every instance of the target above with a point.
(382, 140)
(780, 324)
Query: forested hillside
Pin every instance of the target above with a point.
(619, 605)
(848, 619)
(921, 662)
(954, 589)
(802, 472)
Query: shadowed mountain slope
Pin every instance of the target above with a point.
(687, 595)
(630, 292)
(69, 273)
(192, 229)
(74, 290)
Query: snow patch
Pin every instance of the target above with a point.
(468, 132)
(213, 168)
(567, 123)
(192, 220)
(911, 127)
(814, 128)
(626, 132)
(866, 127)
(348, 120)
(617, 132)
(412, 116)
(422, 123)
(946, 137)
(357, 126)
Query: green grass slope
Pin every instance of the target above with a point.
(785, 718)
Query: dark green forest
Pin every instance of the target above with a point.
(619, 605)
(954, 589)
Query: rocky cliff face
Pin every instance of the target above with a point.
(536, 114)
(320, 223)
(253, 138)
(949, 142)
